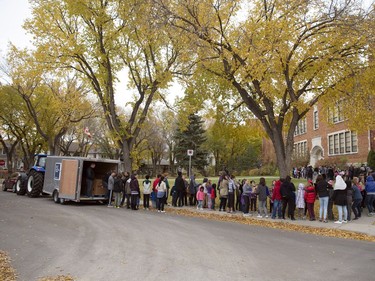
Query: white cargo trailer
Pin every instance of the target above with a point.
(65, 177)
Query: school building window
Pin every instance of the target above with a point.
(316, 119)
(301, 127)
(300, 149)
(343, 143)
(336, 113)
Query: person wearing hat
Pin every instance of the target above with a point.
(339, 198)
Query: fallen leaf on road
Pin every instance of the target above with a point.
(7, 273)
(328, 232)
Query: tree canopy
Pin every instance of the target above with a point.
(280, 57)
(100, 38)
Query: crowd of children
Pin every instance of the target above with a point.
(349, 195)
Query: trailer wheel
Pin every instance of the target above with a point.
(56, 197)
(4, 188)
(62, 201)
(34, 184)
(20, 187)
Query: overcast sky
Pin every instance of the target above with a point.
(12, 15)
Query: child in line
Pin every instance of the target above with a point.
(200, 198)
(213, 196)
(174, 196)
(310, 196)
(209, 190)
(300, 200)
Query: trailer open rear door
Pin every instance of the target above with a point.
(69, 179)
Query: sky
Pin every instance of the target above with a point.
(12, 15)
(14, 12)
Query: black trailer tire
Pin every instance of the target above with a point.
(62, 201)
(55, 197)
(34, 184)
(20, 187)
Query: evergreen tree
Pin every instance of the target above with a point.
(192, 137)
(371, 159)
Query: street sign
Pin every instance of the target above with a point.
(190, 152)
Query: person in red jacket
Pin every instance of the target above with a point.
(310, 196)
(277, 200)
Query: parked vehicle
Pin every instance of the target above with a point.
(10, 182)
(64, 178)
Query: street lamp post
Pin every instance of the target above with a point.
(190, 153)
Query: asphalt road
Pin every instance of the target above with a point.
(93, 242)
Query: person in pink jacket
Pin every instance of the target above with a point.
(200, 198)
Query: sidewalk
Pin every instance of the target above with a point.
(364, 224)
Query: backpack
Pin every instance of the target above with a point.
(117, 186)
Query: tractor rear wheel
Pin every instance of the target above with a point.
(35, 184)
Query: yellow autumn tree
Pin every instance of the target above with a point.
(54, 99)
(99, 39)
(280, 57)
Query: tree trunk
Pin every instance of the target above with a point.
(126, 148)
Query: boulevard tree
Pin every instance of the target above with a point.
(19, 135)
(54, 99)
(101, 38)
(279, 57)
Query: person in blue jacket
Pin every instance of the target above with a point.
(370, 191)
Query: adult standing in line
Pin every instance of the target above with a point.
(185, 190)
(287, 190)
(339, 198)
(231, 193)
(161, 189)
(357, 199)
(253, 197)
(262, 197)
(128, 193)
(180, 186)
(90, 176)
(146, 192)
(223, 192)
(134, 191)
(117, 188)
(246, 197)
(125, 178)
(168, 187)
(349, 199)
(239, 192)
(110, 185)
(370, 195)
(330, 214)
(154, 191)
(322, 191)
(192, 191)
